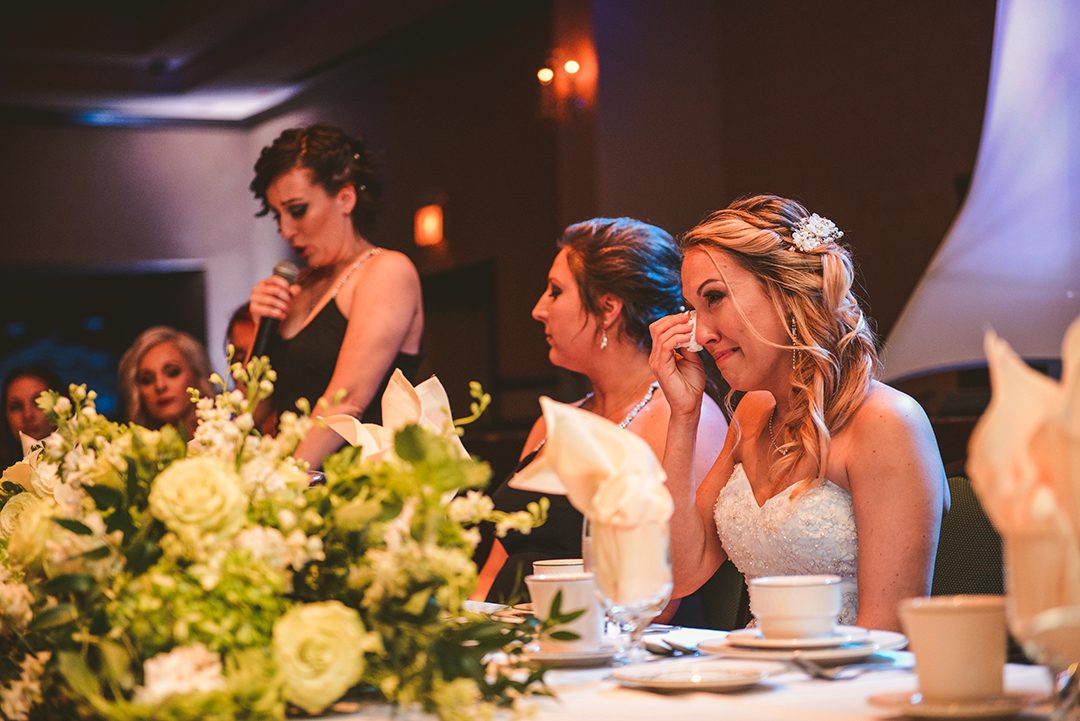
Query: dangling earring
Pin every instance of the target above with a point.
(603, 340)
(794, 355)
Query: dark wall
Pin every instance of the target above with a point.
(869, 112)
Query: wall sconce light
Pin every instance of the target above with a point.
(428, 225)
(571, 66)
(545, 75)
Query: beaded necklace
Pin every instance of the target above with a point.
(782, 451)
(629, 416)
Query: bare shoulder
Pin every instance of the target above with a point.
(888, 410)
(754, 408)
(386, 275)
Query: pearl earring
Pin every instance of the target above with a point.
(603, 340)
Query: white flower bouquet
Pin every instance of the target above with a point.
(146, 577)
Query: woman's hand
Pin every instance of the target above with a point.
(271, 298)
(681, 374)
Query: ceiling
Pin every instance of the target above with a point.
(218, 61)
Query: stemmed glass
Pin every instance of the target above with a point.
(632, 568)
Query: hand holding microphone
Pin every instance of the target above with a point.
(268, 325)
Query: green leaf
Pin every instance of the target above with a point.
(55, 617)
(11, 488)
(70, 583)
(94, 554)
(409, 444)
(564, 636)
(74, 526)
(105, 497)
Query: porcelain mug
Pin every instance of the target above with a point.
(578, 592)
(796, 606)
(959, 644)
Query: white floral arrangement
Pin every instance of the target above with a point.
(146, 577)
(813, 231)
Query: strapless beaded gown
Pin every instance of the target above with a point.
(812, 534)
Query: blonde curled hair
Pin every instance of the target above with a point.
(834, 348)
(192, 351)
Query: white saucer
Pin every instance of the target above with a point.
(912, 704)
(715, 674)
(875, 641)
(571, 659)
(752, 638)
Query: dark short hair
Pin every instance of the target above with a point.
(634, 261)
(334, 159)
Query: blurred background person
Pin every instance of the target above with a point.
(355, 313)
(240, 333)
(155, 373)
(22, 386)
(610, 280)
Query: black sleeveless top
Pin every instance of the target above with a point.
(559, 537)
(305, 363)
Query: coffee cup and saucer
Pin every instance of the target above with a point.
(959, 644)
(798, 614)
(578, 593)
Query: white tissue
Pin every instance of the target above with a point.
(692, 345)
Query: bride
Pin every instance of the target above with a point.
(824, 469)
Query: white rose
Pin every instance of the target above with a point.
(199, 493)
(319, 648)
(9, 514)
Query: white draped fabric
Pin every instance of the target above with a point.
(1011, 260)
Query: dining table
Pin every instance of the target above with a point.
(788, 694)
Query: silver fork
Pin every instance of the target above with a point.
(836, 673)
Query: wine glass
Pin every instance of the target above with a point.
(1053, 639)
(632, 568)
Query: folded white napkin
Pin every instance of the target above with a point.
(613, 477)
(427, 405)
(1024, 462)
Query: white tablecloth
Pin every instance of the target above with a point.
(591, 695)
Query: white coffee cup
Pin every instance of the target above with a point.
(959, 644)
(578, 592)
(558, 567)
(796, 606)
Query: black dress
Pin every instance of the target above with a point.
(559, 537)
(305, 363)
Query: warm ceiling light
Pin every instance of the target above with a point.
(545, 75)
(428, 225)
(571, 66)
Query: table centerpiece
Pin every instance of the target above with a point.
(143, 576)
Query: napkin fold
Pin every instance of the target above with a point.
(1024, 463)
(427, 405)
(614, 478)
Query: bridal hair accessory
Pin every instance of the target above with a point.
(812, 231)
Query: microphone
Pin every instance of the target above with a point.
(268, 326)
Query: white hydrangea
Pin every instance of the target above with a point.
(15, 606)
(17, 700)
(470, 508)
(186, 669)
(264, 544)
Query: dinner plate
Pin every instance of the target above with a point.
(913, 704)
(752, 638)
(875, 641)
(514, 614)
(716, 674)
(571, 659)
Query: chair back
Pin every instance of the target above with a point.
(969, 549)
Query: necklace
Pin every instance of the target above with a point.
(629, 416)
(359, 261)
(781, 451)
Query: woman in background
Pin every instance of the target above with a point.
(21, 389)
(155, 373)
(355, 313)
(609, 281)
(825, 469)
